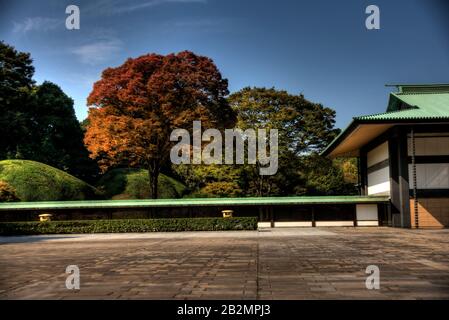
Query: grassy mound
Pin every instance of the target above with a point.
(120, 226)
(35, 181)
(135, 184)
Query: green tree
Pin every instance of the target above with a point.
(197, 177)
(221, 189)
(57, 133)
(324, 177)
(304, 127)
(16, 72)
(349, 168)
(38, 122)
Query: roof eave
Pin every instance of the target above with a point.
(347, 131)
(357, 122)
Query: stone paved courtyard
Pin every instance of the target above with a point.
(268, 264)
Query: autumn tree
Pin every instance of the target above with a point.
(136, 106)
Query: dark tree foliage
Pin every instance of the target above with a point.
(58, 134)
(16, 72)
(324, 177)
(304, 127)
(38, 122)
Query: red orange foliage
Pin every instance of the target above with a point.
(135, 107)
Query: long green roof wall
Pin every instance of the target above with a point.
(197, 202)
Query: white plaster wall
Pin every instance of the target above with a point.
(378, 154)
(264, 224)
(430, 175)
(334, 223)
(367, 223)
(379, 182)
(288, 224)
(367, 212)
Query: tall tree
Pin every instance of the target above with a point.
(135, 107)
(38, 122)
(303, 127)
(57, 133)
(16, 73)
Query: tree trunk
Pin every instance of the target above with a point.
(153, 172)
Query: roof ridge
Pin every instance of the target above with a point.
(382, 113)
(417, 93)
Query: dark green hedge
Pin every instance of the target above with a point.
(134, 225)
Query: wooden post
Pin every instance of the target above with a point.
(313, 217)
(404, 188)
(363, 167)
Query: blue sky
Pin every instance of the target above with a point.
(319, 48)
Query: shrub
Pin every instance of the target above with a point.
(134, 225)
(35, 181)
(7, 193)
(135, 184)
(222, 189)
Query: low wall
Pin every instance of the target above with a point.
(278, 216)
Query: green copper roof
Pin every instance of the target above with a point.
(413, 103)
(113, 204)
(415, 106)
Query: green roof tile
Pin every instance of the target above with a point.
(420, 106)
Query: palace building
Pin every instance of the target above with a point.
(403, 154)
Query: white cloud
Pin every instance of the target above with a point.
(112, 7)
(36, 24)
(99, 51)
(153, 3)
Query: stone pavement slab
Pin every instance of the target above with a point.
(290, 263)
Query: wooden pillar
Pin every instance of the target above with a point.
(313, 217)
(390, 218)
(399, 179)
(403, 180)
(393, 155)
(363, 173)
